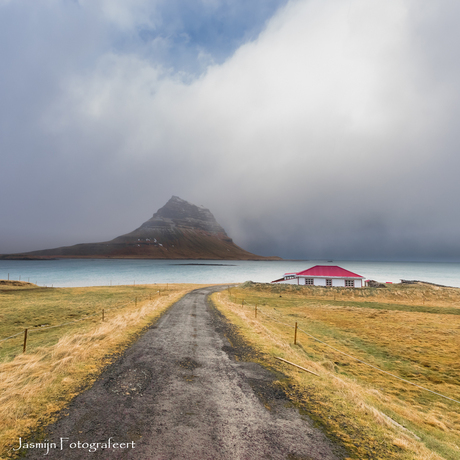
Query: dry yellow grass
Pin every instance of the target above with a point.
(36, 385)
(372, 413)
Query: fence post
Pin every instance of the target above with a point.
(102, 314)
(135, 301)
(295, 334)
(25, 341)
(255, 311)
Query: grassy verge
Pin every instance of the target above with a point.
(62, 361)
(373, 414)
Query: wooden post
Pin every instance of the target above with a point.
(25, 341)
(102, 314)
(295, 334)
(255, 311)
(242, 302)
(135, 301)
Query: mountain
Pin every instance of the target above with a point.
(178, 230)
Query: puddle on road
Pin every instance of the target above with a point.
(130, 382)
(188, 363)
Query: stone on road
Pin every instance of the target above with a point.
(176, 394)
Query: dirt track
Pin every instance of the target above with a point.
(178, 393)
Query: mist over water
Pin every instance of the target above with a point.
(103, 272)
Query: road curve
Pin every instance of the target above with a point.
(177, 394)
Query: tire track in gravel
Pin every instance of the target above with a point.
(178, 393)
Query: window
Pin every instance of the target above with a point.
(289, 277)
(328, 282)
(309, 281)
(349, 283)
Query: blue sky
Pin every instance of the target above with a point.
(310, 128)
(188, 30)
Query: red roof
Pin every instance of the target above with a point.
(329, 271)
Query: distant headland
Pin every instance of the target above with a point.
(178, 230)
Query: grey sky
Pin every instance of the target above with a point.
(309, 128)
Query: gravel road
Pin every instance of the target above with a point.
(179, 393)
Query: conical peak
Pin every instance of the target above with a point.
(180, 213)
(177, 208)
(179, 230)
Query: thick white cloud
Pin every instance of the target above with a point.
(333, 133)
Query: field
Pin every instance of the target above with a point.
(366, 345)
(73, 333)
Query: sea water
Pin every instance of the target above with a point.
(106, 272)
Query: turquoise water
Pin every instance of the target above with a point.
(99, 272)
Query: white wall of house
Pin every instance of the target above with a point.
(336, 282)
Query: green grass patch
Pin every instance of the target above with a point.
(38, 309)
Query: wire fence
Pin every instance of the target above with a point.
(257, 311)
(25, 331)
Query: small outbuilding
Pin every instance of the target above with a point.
(323, 275)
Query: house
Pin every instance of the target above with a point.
(323, 275)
